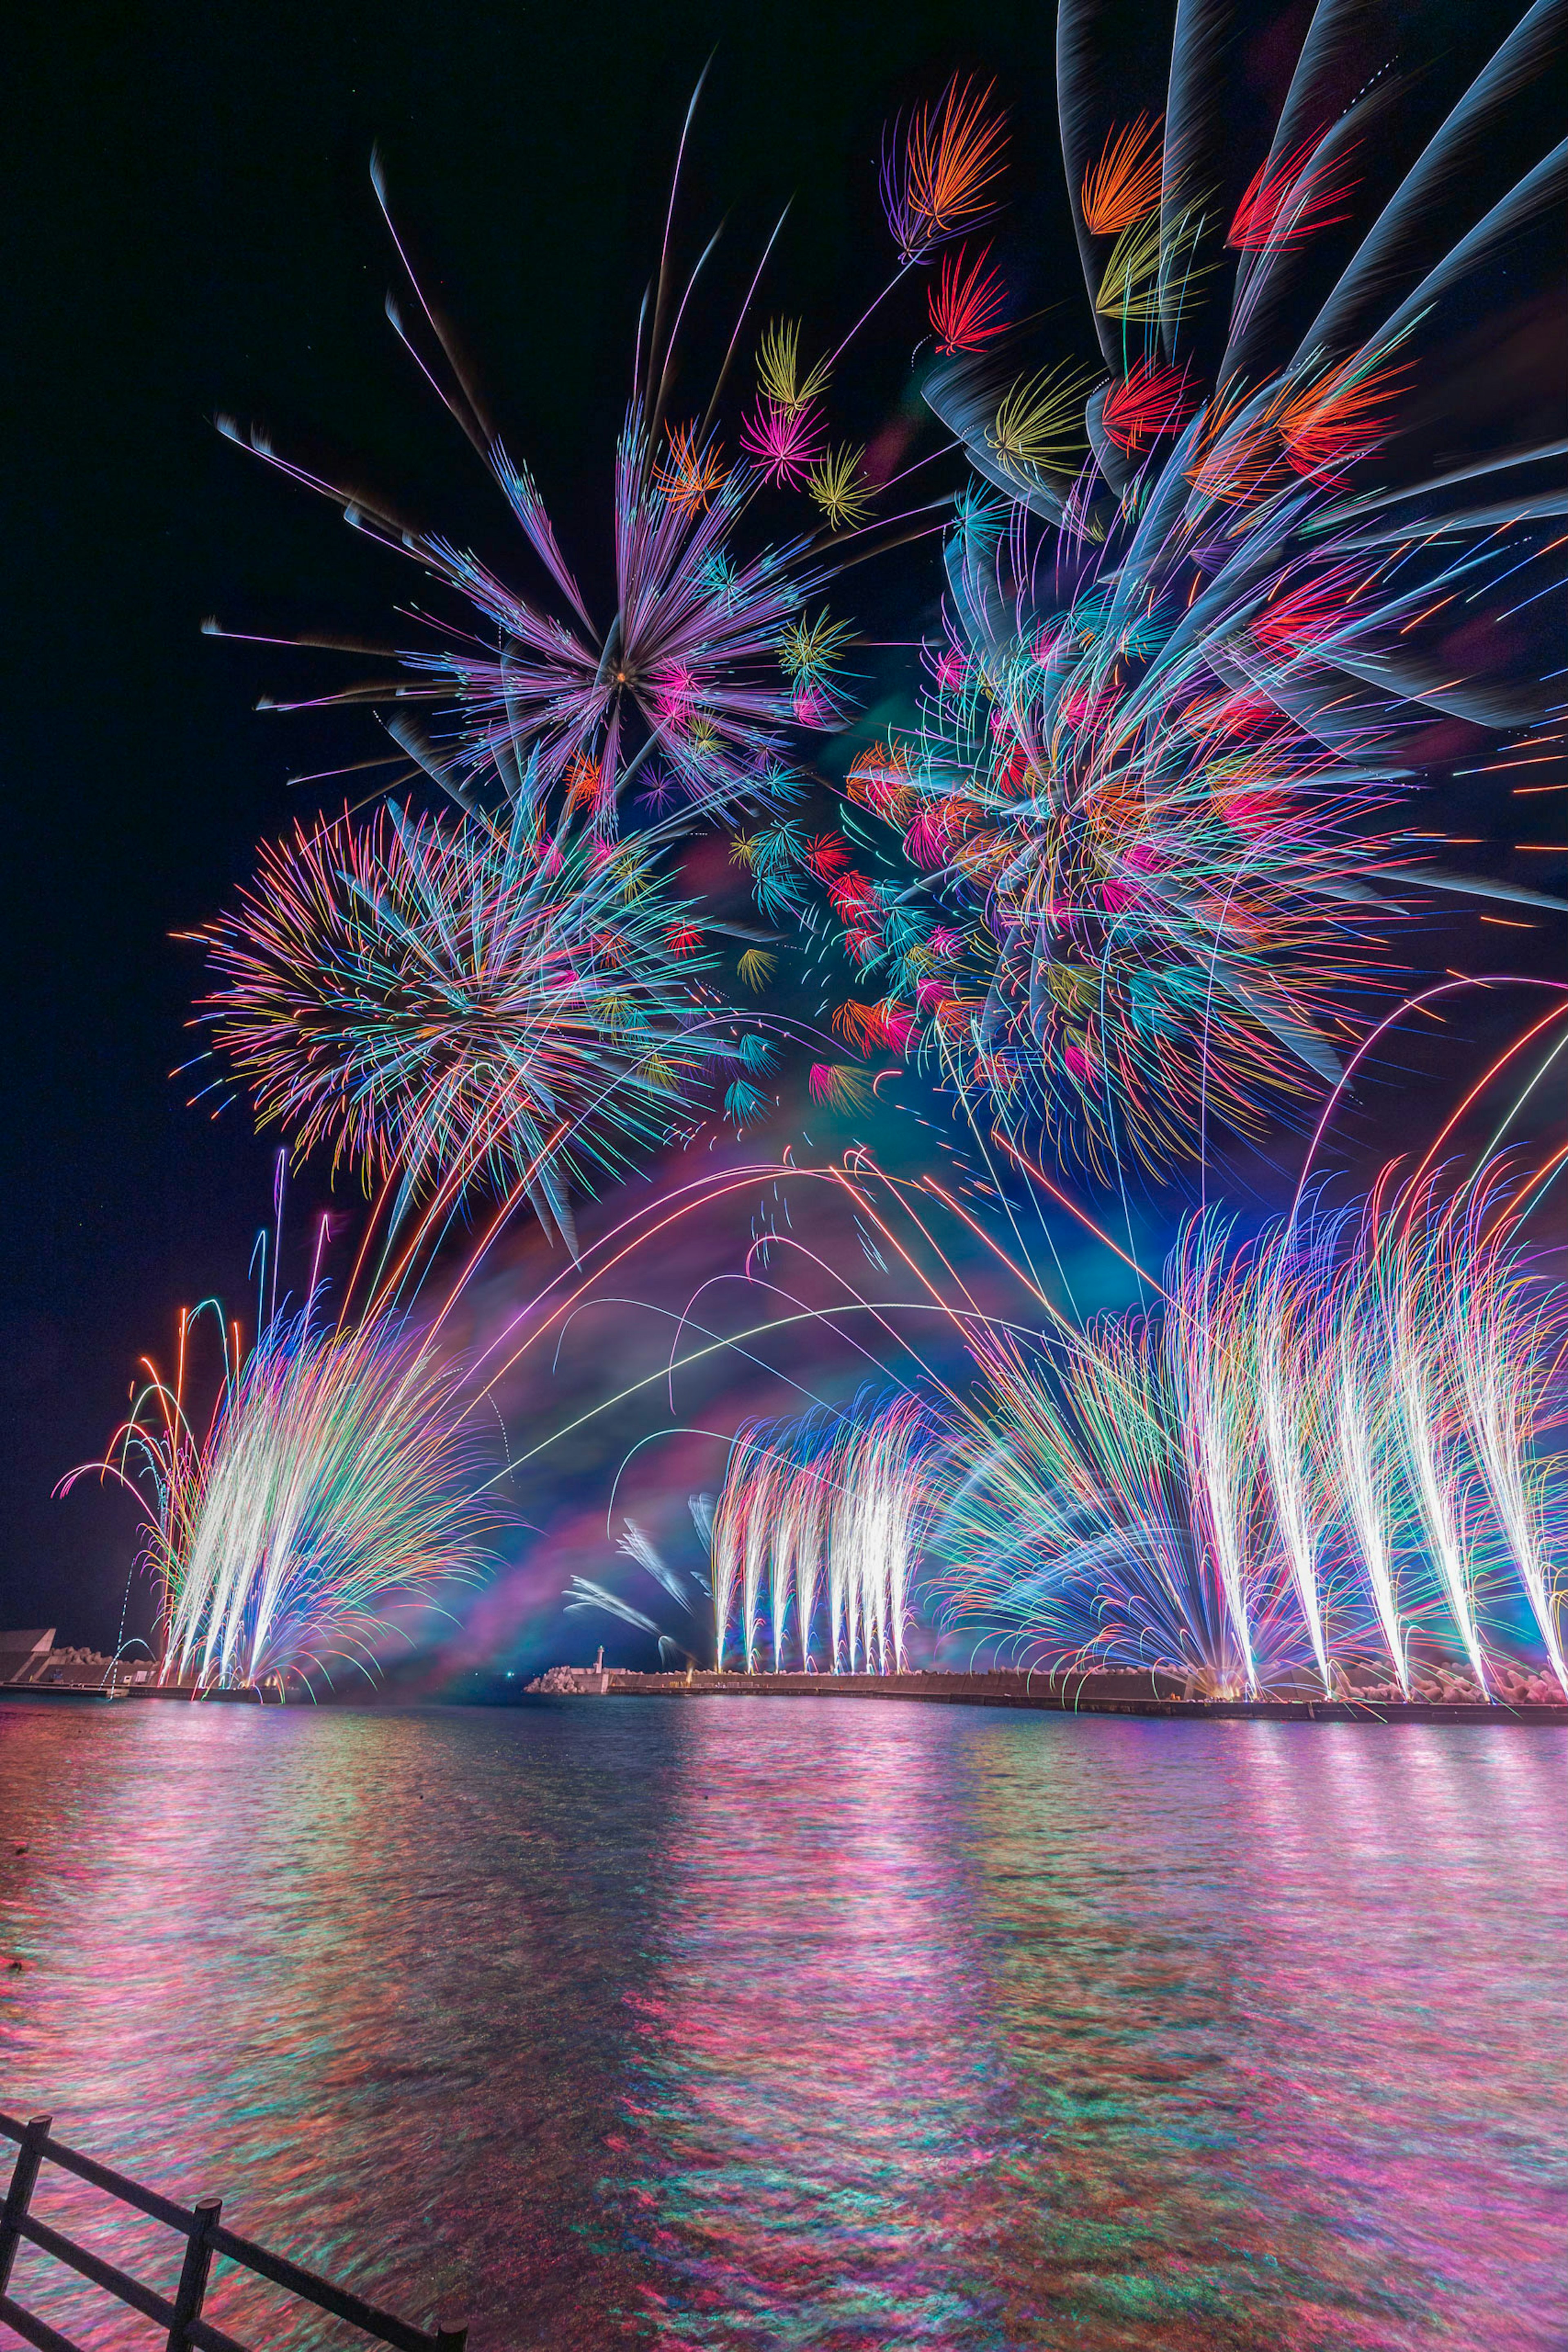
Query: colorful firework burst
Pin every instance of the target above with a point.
(816, 1535)
(531, 696)
(338, 1489)
(1183, 686)
(939, 176)
(442, 1005)
(1326, 1450)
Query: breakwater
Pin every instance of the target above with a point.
(1123, 1694)
(58, 1687)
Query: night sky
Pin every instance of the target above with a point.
(190, 229)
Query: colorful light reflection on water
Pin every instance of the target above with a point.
(846, 2025)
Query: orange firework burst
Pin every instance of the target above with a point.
(941, 181)
(692, 470)
(1340, 417)
(1124, 184)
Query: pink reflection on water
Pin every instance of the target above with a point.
(814, 2131)
(846, 2024)
(1134, 2035)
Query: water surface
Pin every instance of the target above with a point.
(837, 2024)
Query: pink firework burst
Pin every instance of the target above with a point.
(785, 442)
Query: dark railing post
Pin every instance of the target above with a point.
(25, 2171)
(191, 2292)
(206, 2241)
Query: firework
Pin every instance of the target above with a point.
(966, 304)
(541, 704)
(1323, 1447)
(685, 668)
(812, 654)
(779, 370)
(1291, 1271)
(787, 443)
(338, 1486)
(1123, 186)
(455, 1004)
(540, 700)
(500, 1001)
(585, 1596)
(837, 486)
(818, 1529)
(1182, 684)
(938, 178)
(1504, 1351)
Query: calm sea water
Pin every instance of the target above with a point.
(835, 2024)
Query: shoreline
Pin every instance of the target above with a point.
(1094, 1695)
(105, 1694)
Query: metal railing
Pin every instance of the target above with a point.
(206, 2240)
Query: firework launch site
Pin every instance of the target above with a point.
(70, 1675)
(1138, 1695)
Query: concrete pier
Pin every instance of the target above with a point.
(1128, 1695)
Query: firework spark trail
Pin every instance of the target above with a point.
(585, 1595)
(1211, 1403)
(1506, 1348)
(1165, 900)
(1291, 1416)
(939, 175)
(1167, 1490)
(339, 1484)
(1362, 1461)
(1183, 664)
(1316, 1493)
(1076, 1518)
(542, 709)
(432, 1001)
(1412, 1281)
(686, 666)
(1144, 1496)
(827, 1510)
(1092, 1503)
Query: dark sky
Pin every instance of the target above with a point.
(189, 227)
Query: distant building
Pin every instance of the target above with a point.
(30, 1660)
(22, 1656)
